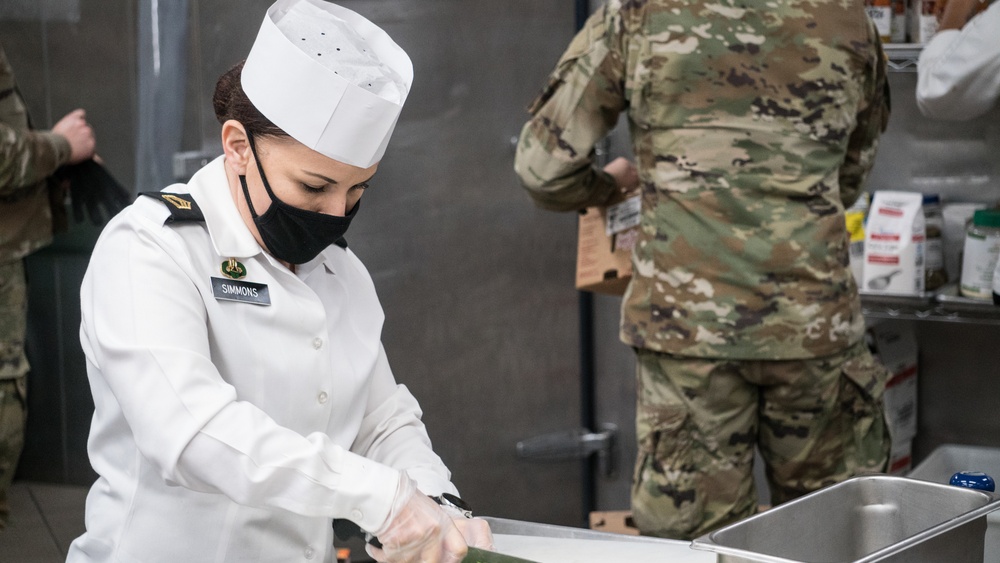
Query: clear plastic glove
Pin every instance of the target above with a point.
(476, 531)
(417, 530)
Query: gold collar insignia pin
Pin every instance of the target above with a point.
(233, 269)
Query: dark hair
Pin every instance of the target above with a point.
(231, 102)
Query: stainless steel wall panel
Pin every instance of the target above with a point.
(59, 401)
(477, 284)
(956, 159)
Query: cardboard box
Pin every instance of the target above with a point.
(895, 345)
(900, 458)
(606, 238)
(614, 521)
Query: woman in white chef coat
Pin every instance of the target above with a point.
(958, 73)
(242, 395)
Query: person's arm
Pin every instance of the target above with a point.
(392, 433)
(28, 157)
(145, 327)
(580, 105)
(957, 13)
(872, 119)
(958, 72)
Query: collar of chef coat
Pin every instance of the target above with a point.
(230, 235)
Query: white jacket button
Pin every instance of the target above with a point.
(310, 553)
(322, 397)
(318, 343)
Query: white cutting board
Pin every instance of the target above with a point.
(565, 550)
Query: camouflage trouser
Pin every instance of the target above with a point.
(816, 422)
(13, 320)
(13, 400)
(13, 382)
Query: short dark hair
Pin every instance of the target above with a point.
(231, 102)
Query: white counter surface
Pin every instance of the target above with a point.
(571, 550)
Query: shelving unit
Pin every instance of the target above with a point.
(943, 305)
(903, 56)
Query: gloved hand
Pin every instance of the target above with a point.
(417, 530)
(476, 531)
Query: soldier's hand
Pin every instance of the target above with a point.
(78, 132)
(624, 172)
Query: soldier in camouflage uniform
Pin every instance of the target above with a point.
(27, 159)
(753, 125)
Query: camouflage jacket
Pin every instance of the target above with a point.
(753, 124)
(27, 158)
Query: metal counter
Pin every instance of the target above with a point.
(547, 543)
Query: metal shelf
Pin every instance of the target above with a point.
(944, 305)
(903, 56)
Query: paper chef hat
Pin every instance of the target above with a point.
(328, 77)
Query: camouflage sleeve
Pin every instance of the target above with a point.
(578, 107)
(873, 117)
(28, 157)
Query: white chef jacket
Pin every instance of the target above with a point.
(228, 431)
(958, 72)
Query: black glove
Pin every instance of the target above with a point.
(93, 187)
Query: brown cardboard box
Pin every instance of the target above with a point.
(895, 345)
(614, 521)
(604, 261)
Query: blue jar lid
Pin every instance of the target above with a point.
(973, 480)
(932, 199)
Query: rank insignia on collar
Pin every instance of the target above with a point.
(177, 201)
(233, 269)
(182, 206)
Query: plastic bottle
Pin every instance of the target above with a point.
(855, 219)
(881, 13)
(935, 274)
(898, 25)
(982, 247)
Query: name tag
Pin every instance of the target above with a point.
(243, 291)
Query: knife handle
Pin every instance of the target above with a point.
(349, 530)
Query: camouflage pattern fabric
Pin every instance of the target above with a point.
(753, 125)
(13, 320)
(13, 404)
(816, 422)
(13, 379)
(27, 159)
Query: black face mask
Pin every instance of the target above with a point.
(291, 234)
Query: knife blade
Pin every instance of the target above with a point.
(477, 555)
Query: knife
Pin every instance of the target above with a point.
(347, 530)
